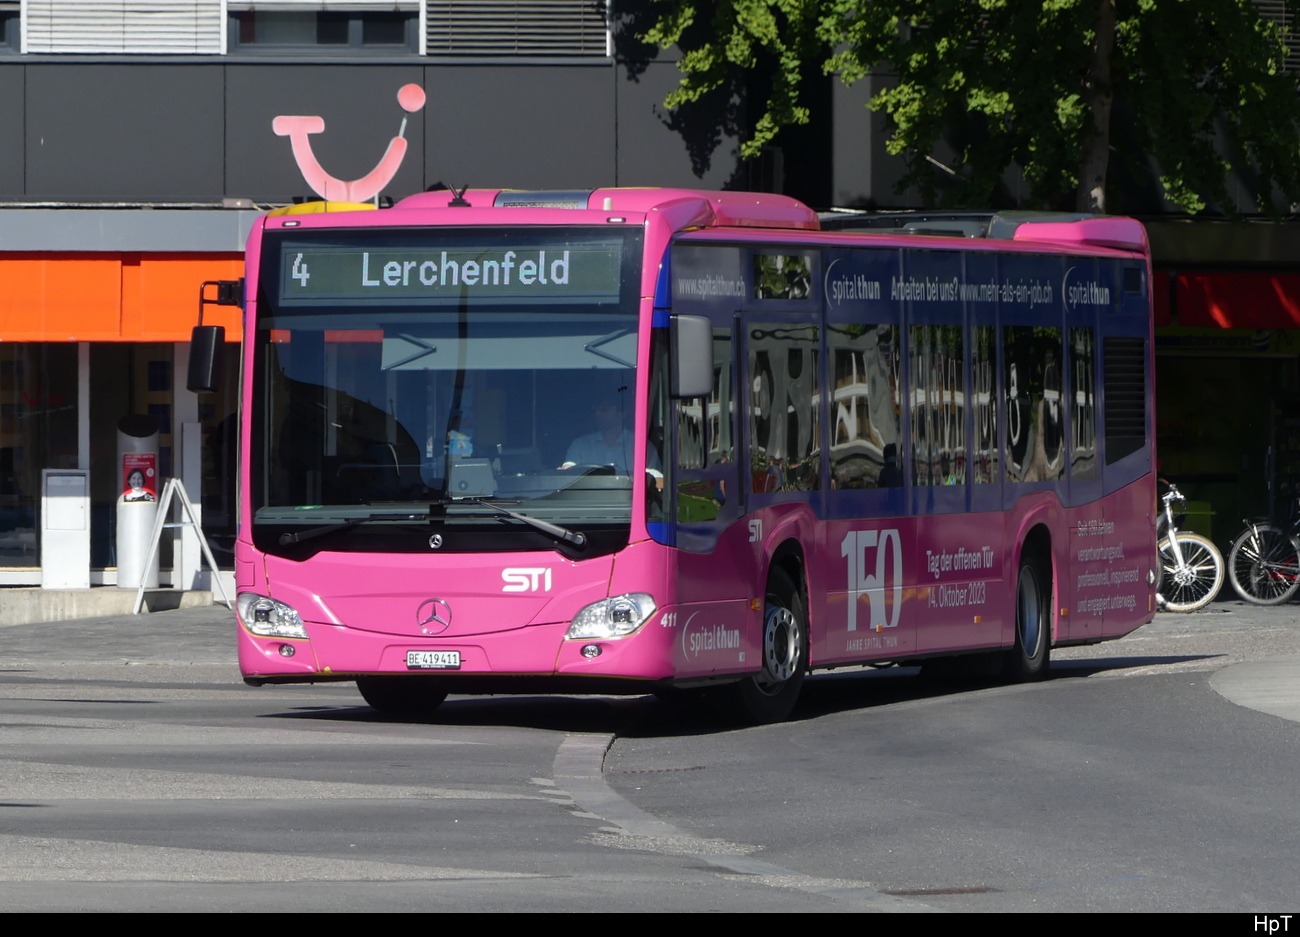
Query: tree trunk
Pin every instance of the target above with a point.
(1097, 93)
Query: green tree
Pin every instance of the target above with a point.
(1059, 88)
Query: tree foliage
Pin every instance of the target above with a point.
(1059, 88)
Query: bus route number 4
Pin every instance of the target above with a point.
(299, 272)
(859, 548)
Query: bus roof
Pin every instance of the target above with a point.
(683, 209)
(1077, 228)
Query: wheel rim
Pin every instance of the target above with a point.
(1029, 612)
(782, 647)
(1267, 565)
(1195, 581)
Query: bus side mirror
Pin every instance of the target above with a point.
(205, 358)
(692, 356)
(206, 340)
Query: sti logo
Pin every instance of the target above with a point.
(526, 579)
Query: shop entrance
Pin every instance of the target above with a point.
(1220, 419)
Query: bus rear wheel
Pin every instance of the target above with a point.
(770, 695)
(1028, 658)
(402, 696)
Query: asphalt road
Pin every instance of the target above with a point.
(1153, 773)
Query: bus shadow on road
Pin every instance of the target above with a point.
(823, 694)
(554, 713)
(826, 694)
(1069, 669)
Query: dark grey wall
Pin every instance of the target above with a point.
(200, 130)
(11, 132)
(524, 126)
(712, 155)
(95, 132)
(864, 174)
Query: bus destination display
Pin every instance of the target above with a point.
(322, 275)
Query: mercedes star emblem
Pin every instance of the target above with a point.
(433, 616)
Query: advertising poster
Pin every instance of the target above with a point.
(139, 476)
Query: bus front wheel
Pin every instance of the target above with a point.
(401, 696)
(1028, 658)
(770, 694)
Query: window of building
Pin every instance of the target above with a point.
(1277, 12)
(38, 430)
(518, 27)
(279, 31)
(144, 27)
(10, 27)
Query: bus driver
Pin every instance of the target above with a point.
(612, 443)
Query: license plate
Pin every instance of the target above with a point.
(433, 660)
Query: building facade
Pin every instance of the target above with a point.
(136, 148)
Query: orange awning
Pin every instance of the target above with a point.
(51, 297)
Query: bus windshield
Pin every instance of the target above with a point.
(430, 385)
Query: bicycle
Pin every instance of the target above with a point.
(1264, 562)
(1191, 567)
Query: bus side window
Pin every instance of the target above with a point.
(1083, 404)
(865, 427)
(704, 440)
(784, 413)
(984, 369)
(1033, 405)
(720, 410)
(938, 405)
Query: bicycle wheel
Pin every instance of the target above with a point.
(1195, 582)
(1264, 564)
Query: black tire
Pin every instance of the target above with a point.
(1197, 581)
(1264, 565)
(769, 695)
(402, 696)
(1029, 657)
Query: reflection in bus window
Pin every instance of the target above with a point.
(1083, 414)
(938, 401)
(784, 404)
(984, 362)
(704, 426)
(864, 405)
(1035, 412)
(781, 276)
(721, 405)
(704, 438)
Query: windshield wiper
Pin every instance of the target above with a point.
(563, 534)
(287, 538)
(575, 537)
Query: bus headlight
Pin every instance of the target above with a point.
(269, 618)
(615, 617)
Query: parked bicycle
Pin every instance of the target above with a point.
(1191, 567)
(1264, 562)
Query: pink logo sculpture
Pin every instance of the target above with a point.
(300, 129)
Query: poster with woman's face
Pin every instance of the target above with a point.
(139, 476)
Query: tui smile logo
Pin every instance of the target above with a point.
(299, 131)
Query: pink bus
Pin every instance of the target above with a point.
(656, 440)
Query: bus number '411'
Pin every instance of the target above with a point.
(887, 547)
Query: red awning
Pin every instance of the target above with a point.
(1233, 300)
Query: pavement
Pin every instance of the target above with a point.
(1253, 652)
